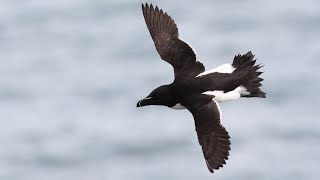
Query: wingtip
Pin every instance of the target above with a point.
(146, 6)
(249, 53)
(263, 95)
(143, 6)
(209, 167)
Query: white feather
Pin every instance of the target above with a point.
(231, 95)
(225, 68)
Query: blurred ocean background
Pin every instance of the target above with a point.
(72, 72)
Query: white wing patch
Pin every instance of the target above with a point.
(231, 95)
(225, 68)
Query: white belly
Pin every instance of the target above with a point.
(220, 95)
(231, 95)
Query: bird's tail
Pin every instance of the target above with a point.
(247, 71)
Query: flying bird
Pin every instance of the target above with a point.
(199, 90)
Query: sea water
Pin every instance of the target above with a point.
(71, 73)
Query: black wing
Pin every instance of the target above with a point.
(212, 136)
(173, 50)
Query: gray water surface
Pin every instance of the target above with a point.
(72, 72)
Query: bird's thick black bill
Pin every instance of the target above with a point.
(146, 101)
(139, 103)
(143, 102)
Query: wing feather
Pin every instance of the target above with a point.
(164, 33)
(212, 136)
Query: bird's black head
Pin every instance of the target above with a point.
(160, 96)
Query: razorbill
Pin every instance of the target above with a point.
(198, 90)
